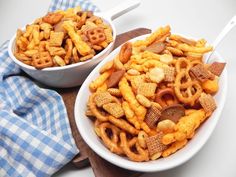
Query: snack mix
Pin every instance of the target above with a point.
(61, 38)
(148, 102)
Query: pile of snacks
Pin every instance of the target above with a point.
(149, 100)
(61, 38)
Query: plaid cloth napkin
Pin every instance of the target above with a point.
(35, 136)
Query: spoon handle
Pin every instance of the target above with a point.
(221, 36)
(121, 9)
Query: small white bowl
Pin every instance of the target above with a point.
(86, 127)
(74, 74)
(65, 76)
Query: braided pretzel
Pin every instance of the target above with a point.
(141, 155)
(95, 110)
(111, 142)
(191, 88)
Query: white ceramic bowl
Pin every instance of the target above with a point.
(74, 74)
(85, 126)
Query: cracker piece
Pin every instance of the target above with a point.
(216, 68)
(102, 98)
(114, 109)
(207, 102)
(152, 116)
(169, 74)
(147, 89)
(56, 39)
(154, 144)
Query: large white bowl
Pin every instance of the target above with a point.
(85, 126)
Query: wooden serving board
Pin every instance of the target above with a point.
(101, 167)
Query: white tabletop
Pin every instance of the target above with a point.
(201, 18)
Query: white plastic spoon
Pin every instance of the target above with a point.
(221, 36)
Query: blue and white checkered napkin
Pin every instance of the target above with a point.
(35, 135)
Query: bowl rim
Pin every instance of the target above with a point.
(145, 167)
(60, 68)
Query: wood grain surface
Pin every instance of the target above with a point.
(101, 167)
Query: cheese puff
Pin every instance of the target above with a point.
(189, 111)
(173, 43)
(187, 48)
(82, 47)
(210, 86)
(152, 64)
(130, 116)
(153, 37)
(175, 51)
(185, 127)
(145, 127)
(36, 34)
(174, 147)
(150, 55)
(143, 100)
(182, 39)
(133, 72)
(136, 67)
(135, 58)
(129, 96)
(123, 124)
(102, 88)
(114, 92)
(99, 80)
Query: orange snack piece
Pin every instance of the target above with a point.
(185, 127)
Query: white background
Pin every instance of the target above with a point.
(200, 18)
